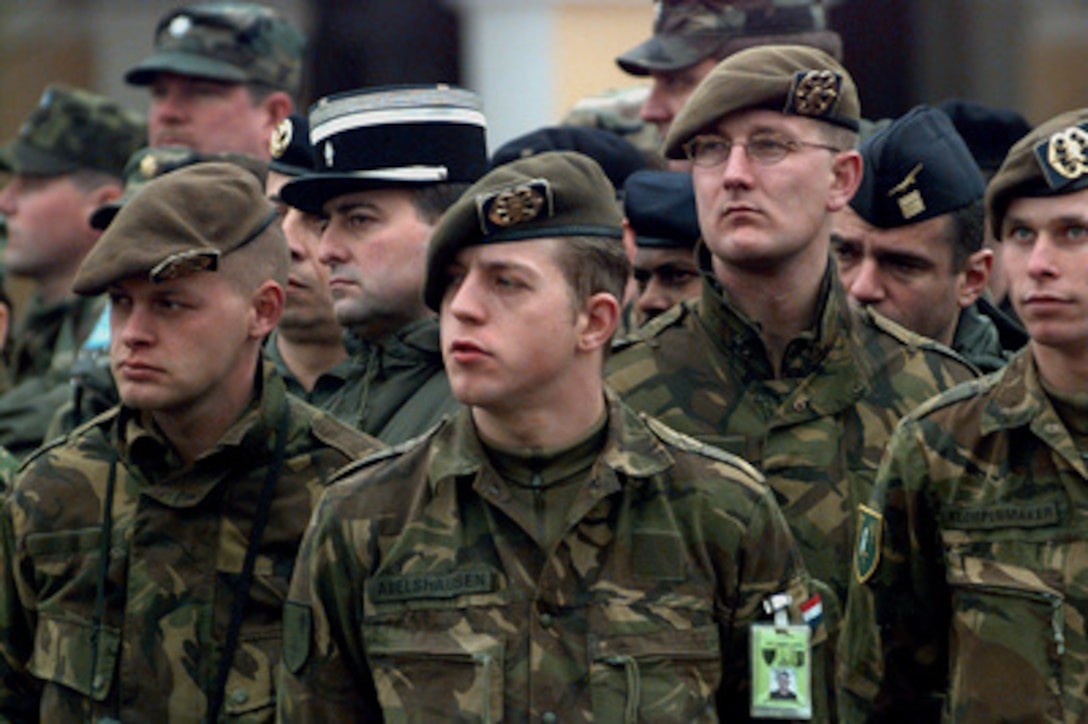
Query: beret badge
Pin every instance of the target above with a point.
(281, 138)
(814, 93)
(512, 206)
(149, 167)
(1064, 155)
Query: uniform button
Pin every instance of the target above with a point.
(99, 682)
(799, 405)
(549, 717)
(239, 697)
(546, 620)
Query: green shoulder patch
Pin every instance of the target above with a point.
(867, 552)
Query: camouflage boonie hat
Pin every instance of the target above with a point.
(688, 31)
(1052, 160)
(226, 41)
(179, 224)
(791, 79)
(549, 195)
(73, 129)
(150, 163)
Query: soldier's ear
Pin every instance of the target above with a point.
(268, 301)
(846, 169)
(598, 322)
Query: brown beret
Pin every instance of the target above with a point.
(181, 222)
(550, 195)
(1052, 160)
(792, 79)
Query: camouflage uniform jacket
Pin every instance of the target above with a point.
(817, 433)
(419, 598)
(977, 571)
(41, 367)
(978, 341)
(327, 384)
(150, 650)
(395, 389)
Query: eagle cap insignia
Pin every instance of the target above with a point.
(281, 138)
(814, 93)
(515, 205)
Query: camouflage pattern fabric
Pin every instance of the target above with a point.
(327, 385)
(418, 598)
(977, 580)
(395, 389)
(47, 341)
(818, 432)
(177, 546)
(977, 340)
(9, 465)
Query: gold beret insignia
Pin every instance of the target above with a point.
(149, 167)
(814, 93)
(512, 206)
(281, 138)
(1067, 152)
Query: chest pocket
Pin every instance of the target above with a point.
(1007, 635)
(423, 675)
(666, 676)
(64, 651)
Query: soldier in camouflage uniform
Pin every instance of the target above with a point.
(68, 158)
(146, 557)
(691, 36)
(909, 245)
(222, 76)
(772, 362)
(390, 161)
(547, 555)
(307, 346)
(970, 566)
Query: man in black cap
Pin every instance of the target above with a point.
(618, 157)
(307, 346)
(691, 36)
(910, 243)
(389, 163)
(659, 211)
(222, 76)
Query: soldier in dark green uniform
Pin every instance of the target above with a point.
(68, 158)
(307, 346)
(910, 244)
(546, 555)
(772, 362)
(389, 163)
(972, 563)
(146, 556)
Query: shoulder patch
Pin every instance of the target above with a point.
(867, 551)
(688, 443)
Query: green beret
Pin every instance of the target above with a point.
(179, 223)
(550, 195)
(1052, 160)
(792, 79)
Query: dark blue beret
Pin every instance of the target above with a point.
(988, 131)
(660, 206)
(915, 169)
(617, 156)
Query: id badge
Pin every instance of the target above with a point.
(781, 672)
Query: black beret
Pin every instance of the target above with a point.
(988, 131)
(1052, 160)
(791, 79)
(289, 147)
(180, 222)
(550, 195)
(915, 169)
(617, 156)
(660, 206)
(395, 136)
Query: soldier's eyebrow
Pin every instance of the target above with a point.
(346, 207)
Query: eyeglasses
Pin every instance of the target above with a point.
(708, 151)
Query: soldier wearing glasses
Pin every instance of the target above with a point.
(771, 362)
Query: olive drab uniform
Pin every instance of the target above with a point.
(816, 433)
(419, 593)
(985, 337)
(41, 366)
(327, 384)
(394, 389)
(974, 564)
(119, 603)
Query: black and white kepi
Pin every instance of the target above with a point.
(391, 136)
